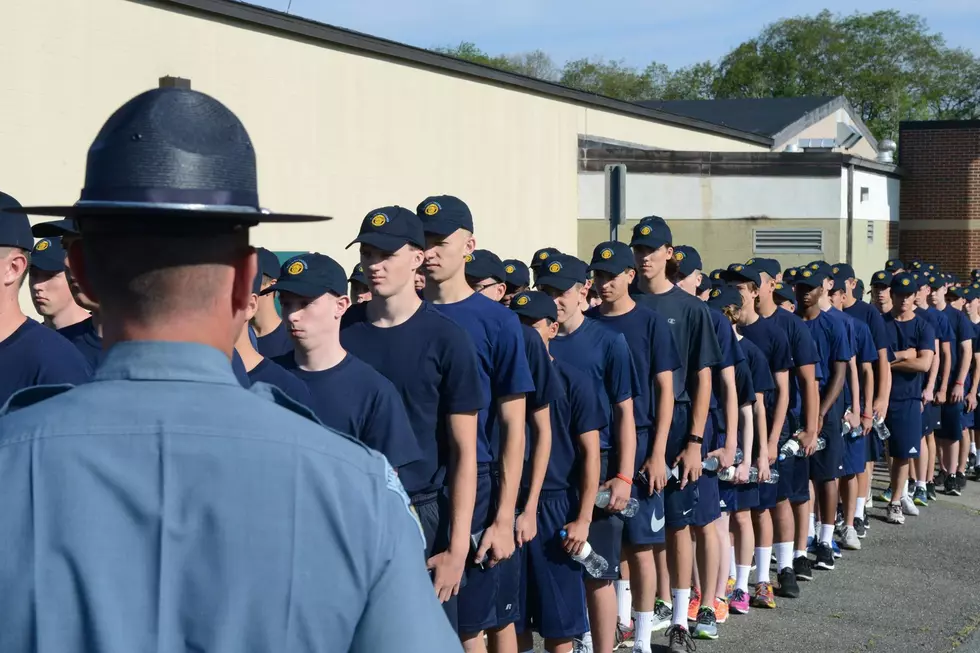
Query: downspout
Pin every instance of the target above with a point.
(849, 254)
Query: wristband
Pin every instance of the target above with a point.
(695, 439)
(625, 479)
(955, 383)
(867, 416)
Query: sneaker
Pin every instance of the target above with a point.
(764, 596)
(679, 640)
(625, 635)
(886, 496)
(920, 497)
(895, 515)
(971, 460)
(860, 528)
(721, 610)
(835, 549)
(811, 547)
(788, 587)
(867, 522)
(908, 507)
(694, 604)
(581, 646)
(961, 480)
(802, 568)
(663, 614)
(850, 539)
(739, 603)
(706, 626)
(931, 491)
(729, 588)
(824, 557)
(839, 520)
(940, 477)
(950, 487)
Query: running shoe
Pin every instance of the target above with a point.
(740, 602)
(931, 491)
(802, 568)
(729, 588)
(839, 520)
(860, 528)
(721, 610)
(961, 480)
(908, 507)
(950, 487)
(886, 496)
(895, 515)
(920, 497)
(624, 635)
(940, 477)
(835, 549)
(679, 640)
(867, 522)
(850, 540)
(811, 547)
(764, 597)
(788, 587)
(694, 604)
(706, 625)
(824, 557)
(663, 614)
(971, 461)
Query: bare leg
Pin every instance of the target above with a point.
(849, 494)
(724, 559)
(473, 642)
(663, 572)
(503, 640)
(601, 597)
(707, 555)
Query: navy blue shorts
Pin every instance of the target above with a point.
(728, 496)
(950, 422)
(931, 416)
(828, 464)
(767, 495)
(646, 527)
(968, 419)
(432, 509)
(478, 598)
(801, 481)
(679, 504)
(750, 496)
(552, 596)
(508, 572)
(856, 454)
(606, 532)
(875, 449)
(787, 477)
(708, 507)
(904, 420)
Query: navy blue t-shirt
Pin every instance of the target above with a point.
(962, 330)
(87, 339)
(433, 365)
(275, 343)
(238, 367)
(832, 346)
(774, 345)
(940, 326)
(864, 352)
(546, 386)
(752, 376)
(496, 332)
(269, 372)
(803, 350)
(36, 355)
(866, 313)
(731, 352)
(694, 336)
(575, 412)
(652, 349)
(916, 334)
(604, 355)
(354, 398)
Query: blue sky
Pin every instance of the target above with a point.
(675, 32)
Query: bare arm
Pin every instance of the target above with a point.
(782, 405)
(498, 538)
(854, 381)
(867, 388)
(833, 387)
(655, 467)
(945, 362)
(578, 530)
(690, 458)
(923, 362)
(626, 439)
(540, 453)
(726, 455)
(884, 388)
(966, 357)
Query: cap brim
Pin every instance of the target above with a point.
(132, 210)
(731, 276)
(54, 229)
(534, 316)
(558, 284)
(440, 227)
(648, 241)
(298, 287)
(48, 266)
(809, 283)
(384, 242)
(608, 266)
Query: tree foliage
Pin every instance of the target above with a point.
(888, 64)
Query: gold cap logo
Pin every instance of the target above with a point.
(522, 300)
(431, 208)
(379, 220)
(645, 230)
(678, 256)
(554, 267)
(509, 269)
(606, 253)
(543, 255)
(296, 267)
(905, 282)
(42, 245)
(881, 275)
(468, 258)
(807, 274)
(715, 292)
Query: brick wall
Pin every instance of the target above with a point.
(942, 183)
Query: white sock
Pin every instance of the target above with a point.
(973, 448)
(681, 598)
(920, 484)
(797, 553)
(859, 507)
(643, 632)
(624, 599)
(826, 533)
(762, 555)
(732, 564)
(813, 526)
(784, 555)
(587, 640)
(742, 577)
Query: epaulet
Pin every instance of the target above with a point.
(34, 394)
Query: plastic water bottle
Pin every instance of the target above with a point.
(603, 496)
(754, 476)
(880, 429)
(847, 431)
(711, 464)
(595, 565)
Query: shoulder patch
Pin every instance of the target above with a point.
(394, 484)
(33, 395)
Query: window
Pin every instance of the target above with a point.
(787, 241)
(865, 194)
(871, 232)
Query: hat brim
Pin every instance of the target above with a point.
(384, 242)
(562, 285)
(809, 282)
(441, 227)
(301, 288)
(54, 229)
(523, 312)
(731, 276)
(136, 209)
(47, 265)
(609, 266)
(648, 241)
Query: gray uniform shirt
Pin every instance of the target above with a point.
(163, 508)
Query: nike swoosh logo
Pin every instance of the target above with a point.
(689, 511)
(657, 523)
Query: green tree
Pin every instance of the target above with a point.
(610, 78)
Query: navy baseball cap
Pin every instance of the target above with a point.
(704, 285)
(934, 281)
(951, 278)
(310, 275)
(55, 228)
(15, 227)
(858, 293)
(904, 283)
(444, 214)
(893, 264)
(915, 264)
(517, 273)
(738, 273)
(881, 278)
(844, 271)
(790, 274)
(268, 263)
(820, 266)
(612, 256)
(562, 272)
(811, 278)
(484, 264)
(357, 274)
(723, 296)
(688, 259)
(535, 305)
(956, 291)
(48, 255)
(784, 292)
(716, 274)
(975, 273)
(543, 255)
(651, 232)
(769, 266)
(390, 228)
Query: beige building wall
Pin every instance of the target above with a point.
(336, 132)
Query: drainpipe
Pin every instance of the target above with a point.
(849, 253)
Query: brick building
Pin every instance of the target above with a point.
(940, 198)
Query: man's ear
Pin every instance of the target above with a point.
(79, 270)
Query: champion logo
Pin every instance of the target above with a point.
(671, 320)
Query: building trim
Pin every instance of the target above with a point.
(925, 125)
(939, 225)
(279, 23)
(810, 118)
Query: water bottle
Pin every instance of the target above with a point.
(880, 429)
(595, 565)
(603, 496)
(711, 464)
(754, 476)
(847, 431)
(791, 447)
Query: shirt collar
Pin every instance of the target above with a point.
(165, 361)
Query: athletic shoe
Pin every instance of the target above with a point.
(706, 626)
(811, 547)
(740, 602)
(850, 539)
(694, 604)
(764, 596)
(824, 557)
(931, 491)
(835, 549)
(940, 477)
(961, 480)
(625, 635)
(860, 528)
(908, 507)
(950, 487)
(895, 515)
(663, 614)
(729, 588)
(581, 646)
(839, 519)
(971, 460)
(788, 587)
(886, 496)
(920, 497)
(802, 568)
(721, 610)
(679, 640)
